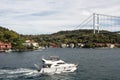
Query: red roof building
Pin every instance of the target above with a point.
(5, 46)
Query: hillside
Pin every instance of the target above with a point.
(62, 37)
(9, 36)
(76, 36)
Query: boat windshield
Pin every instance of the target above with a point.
(54, 58)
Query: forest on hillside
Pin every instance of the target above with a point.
(76, 36)
(10, 36)
(62, 37)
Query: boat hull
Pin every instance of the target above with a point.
(58, 70)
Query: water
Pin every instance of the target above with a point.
(94, 64)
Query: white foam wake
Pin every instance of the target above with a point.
(18, 72)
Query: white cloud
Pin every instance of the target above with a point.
(48, 16)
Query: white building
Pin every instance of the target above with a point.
(81, 44)
(72, 45)
(110, 45)
(63, 45)
(31, 43)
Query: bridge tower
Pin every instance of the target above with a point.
(96, 23)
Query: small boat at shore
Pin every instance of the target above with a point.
(54, 65)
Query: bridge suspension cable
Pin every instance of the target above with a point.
(99, 21)
(87, 20)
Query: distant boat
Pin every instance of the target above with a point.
(55, 66)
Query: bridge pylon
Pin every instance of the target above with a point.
(95, 23)
(98, 22)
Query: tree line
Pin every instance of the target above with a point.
(76, 36)
(62, 37)
(10, 36)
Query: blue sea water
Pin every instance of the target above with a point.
(94, 64)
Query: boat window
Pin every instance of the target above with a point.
(47, 66)
(61, 63)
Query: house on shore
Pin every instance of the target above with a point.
(80, 45)
(53, 45)
(109, 45)
(30, 43)
(5, 46)
(63, 45)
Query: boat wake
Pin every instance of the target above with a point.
(16, 73)
(30, 74)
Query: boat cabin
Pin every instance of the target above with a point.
(53, 61)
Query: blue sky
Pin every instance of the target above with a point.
(49, 16)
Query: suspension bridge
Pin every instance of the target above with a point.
(99, 22)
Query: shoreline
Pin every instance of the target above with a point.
(26, 50)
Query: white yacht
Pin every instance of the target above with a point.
(55, 66)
